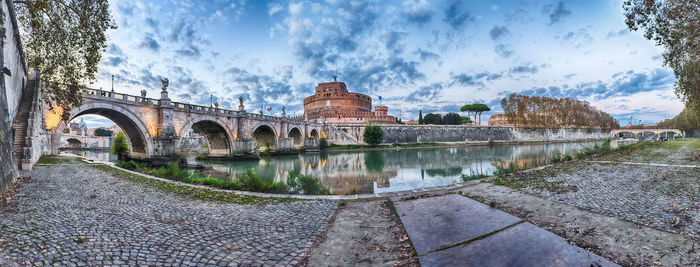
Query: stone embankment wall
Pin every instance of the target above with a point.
(10, 93)
(13, 59)
(352, 134)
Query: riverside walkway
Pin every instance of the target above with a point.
(75, 214)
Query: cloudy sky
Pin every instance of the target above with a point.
(430, 55)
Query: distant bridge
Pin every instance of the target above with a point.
(81, 141)
(646, 133)
(154, 126)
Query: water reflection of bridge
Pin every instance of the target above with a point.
(366, 171)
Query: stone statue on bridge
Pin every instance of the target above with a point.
(143, 94)
(165, 82)
(240, 105)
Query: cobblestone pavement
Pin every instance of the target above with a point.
(77, 215)
(665, 198)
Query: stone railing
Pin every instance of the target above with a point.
(145, 101)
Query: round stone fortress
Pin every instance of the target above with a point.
(333, 103)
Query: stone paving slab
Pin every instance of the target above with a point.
(521, 245)
(435, 222)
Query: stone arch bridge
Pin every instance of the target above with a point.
(646, 133)
(154, 126)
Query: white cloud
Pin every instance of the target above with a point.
(274, 9)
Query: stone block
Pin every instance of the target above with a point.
(520, 245)
(435, 222)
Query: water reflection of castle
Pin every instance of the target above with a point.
(366, 171)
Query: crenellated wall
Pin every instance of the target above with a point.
(353, 134)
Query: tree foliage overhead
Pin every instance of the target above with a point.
(687, 121)
(65, 40)
(545, 111)
(675, 26)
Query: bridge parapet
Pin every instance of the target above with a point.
(98, 94)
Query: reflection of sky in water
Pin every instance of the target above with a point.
(408, 179)
(390, 170)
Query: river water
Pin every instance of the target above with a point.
(388, 170)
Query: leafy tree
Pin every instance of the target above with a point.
(195, 129)
(476, 109)
(468, 109)
(465, 120)
(65, 40)
(398, 121)
(452, 119)
(545, 111)
(103, 132)
(121, 145)
(688, 121)
(673, 25)
(432, 118)
(420, 116)
(480, 108)
(373, 135)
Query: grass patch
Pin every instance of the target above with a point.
(54, 160)
(247, 181)
(472, 177)
(191, 192)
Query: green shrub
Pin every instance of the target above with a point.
(246, 181)
(502, 168)
(373, 135)
(306, 184)
(131, 165)
(323, 144)
(567, 157)
(473, 176)
(121, 145)
(556, 158)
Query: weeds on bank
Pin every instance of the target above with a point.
(247, 181)
(54, 160)
(472, 177)
(188, 191)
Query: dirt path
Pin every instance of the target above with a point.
(365, 233)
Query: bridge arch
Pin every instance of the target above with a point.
(314, 133)
(74, 143)
(625, 134)
(132, 125)
(263, 135)
(669, 134)
(215, 132)
(296, 134)
(646, 135)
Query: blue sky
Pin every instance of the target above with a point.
(429, 55)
